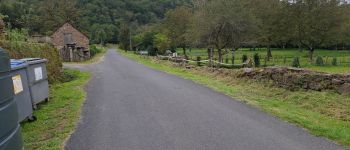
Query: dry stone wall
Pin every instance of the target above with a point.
(294, 79)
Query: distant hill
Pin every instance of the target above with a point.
(97, 18)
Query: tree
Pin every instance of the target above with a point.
(315, 21)
(270, 20)
(124, 37)
(45, 16)
(222, 24)
(55, 13)
(341, 36)
(161, 42)
(176, 25)
(101, 36)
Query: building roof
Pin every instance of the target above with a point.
(68, 24)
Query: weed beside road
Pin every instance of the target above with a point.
(57, 118)
(322, 113)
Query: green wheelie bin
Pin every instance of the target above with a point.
(10, 135)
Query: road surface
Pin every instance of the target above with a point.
(132, 107)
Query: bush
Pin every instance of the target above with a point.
(334, 61)
(257, 60)
(19, 50)
(152, 51)
(161, 42)
(95, 50)
(244, 58)
(198, 61)
(319, 61)
(296, 62)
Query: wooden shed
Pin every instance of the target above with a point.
(73, 45)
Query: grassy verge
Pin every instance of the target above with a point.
(322, 113)
(57, 118)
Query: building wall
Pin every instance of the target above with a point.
(58, 37)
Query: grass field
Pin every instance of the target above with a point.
(57, 118)
(285, 58)
(324, 114)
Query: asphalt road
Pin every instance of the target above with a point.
(132, 107)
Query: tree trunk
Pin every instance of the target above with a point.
(208, 51)
(311, 53)
(210, 56)
(220, 57)
(184, 51)
(233, 55)
(269, 53)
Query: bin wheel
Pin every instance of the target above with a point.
(35, 107)
(47, 100)
(32, 118)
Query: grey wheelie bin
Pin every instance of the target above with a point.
(10, 136)
(21, 89)
(38, 81)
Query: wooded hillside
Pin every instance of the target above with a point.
(100, 19)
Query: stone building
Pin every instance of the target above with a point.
(73, 45)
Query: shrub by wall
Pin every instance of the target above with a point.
(257, 60)
(319, 61)
(244, 58)
(20, 49)
(334, 61)
(95, 50)
(296, 62)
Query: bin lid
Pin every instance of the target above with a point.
(34, 60)
(4, 61)
(18, 64)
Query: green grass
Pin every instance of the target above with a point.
(331, 69)
(285, 57)
(324, 114)
(57, 118)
